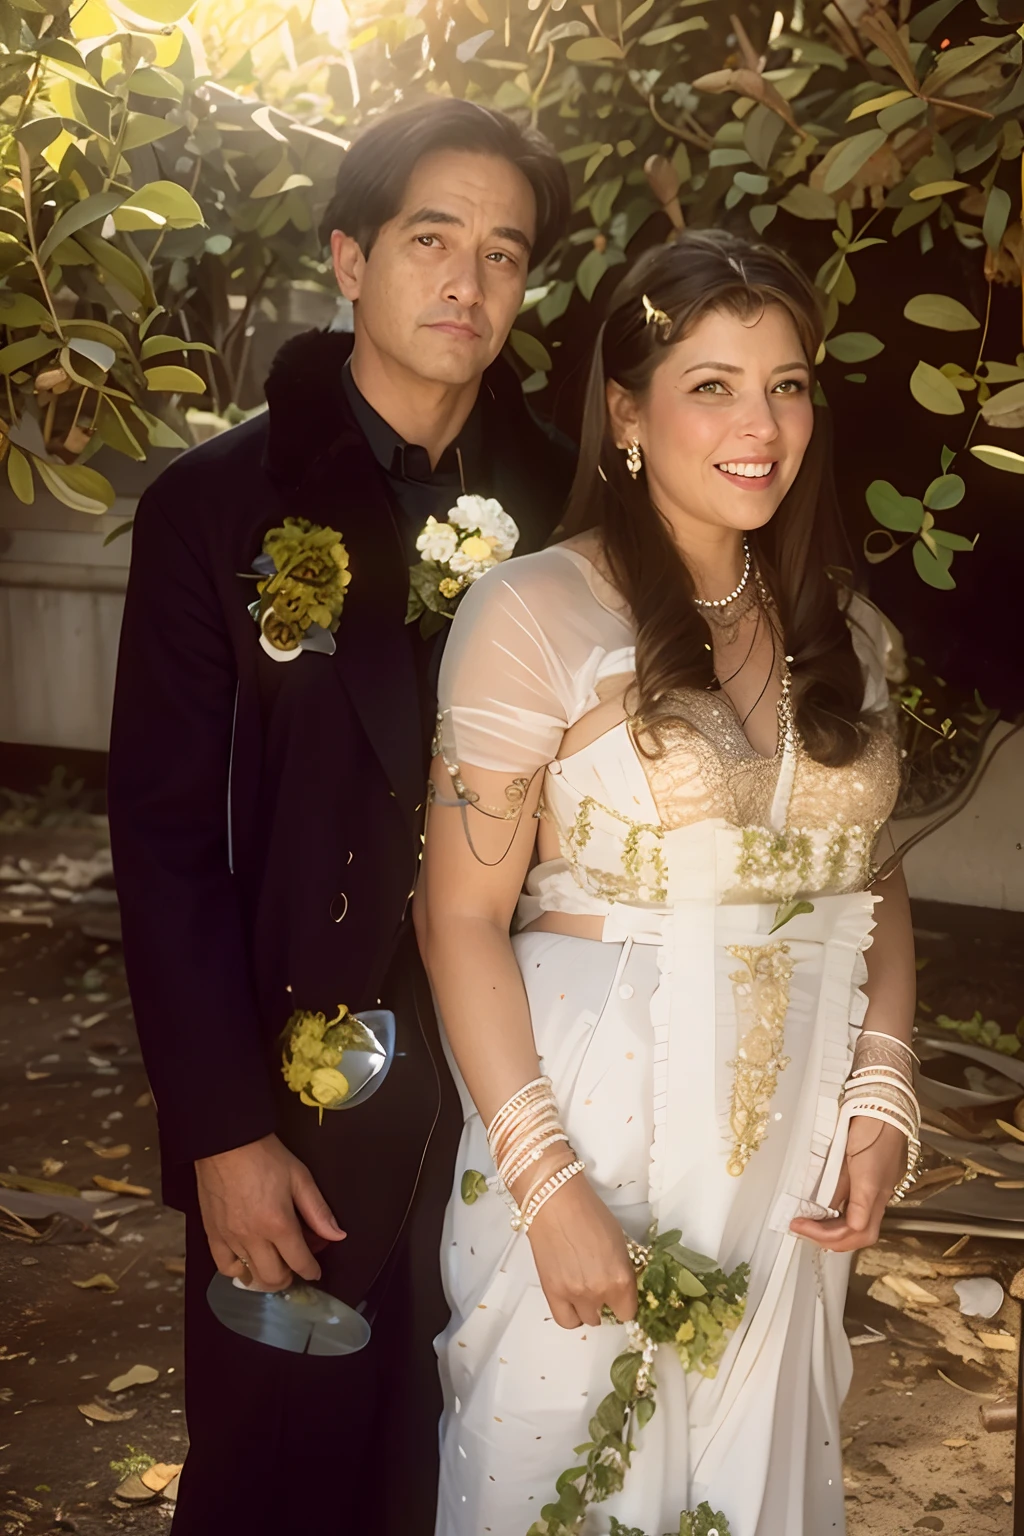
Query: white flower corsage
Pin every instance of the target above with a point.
(479, 534)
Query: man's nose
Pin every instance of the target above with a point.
(462, 281)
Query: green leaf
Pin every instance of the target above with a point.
(687, 1284)
(674, 29)
(171, 376)
(855, 153)
(808, 202)
(159, 83)
(644, 1412)
(933, 569)
(944, 492)
(951, 540)
(854, 346)
(160, 435)
(855, 378)
(761, 130)
(922, 25)
(611, 1414)
(623, 1373)
(116, 264)
(596, 160)
(999, 458)
(946, 458)
(113, 430)
(18, 354)
(934, 391)
(18, 310)
(157, 344)
(997, 212)
(163, 11)
(936, 189)
(474, 1184)
(77, 217)
(554, 305)
(789, 909)
(1006, 409)
(19, 473)
(589, 272)
(940, 311)
(590, 50)
(762, 216)
(877, 103)
(751, 181)
(143, 128)
(156, 204)
(97, 352)
(119, 531)
(902, 513)
(77, 486)
(533, 352)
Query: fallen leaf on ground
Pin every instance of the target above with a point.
(958, 1246)
(962, 1387)
(96, 1018)
(138, 1376)
(33, 1077)
(957, 1444)
(998, 1340)
(907, 1290)
(121, 1150)
(160, 1474)
(51, 1167)
(174, 1266)
(171, 1491)
(134, 1490)
(1011, 1130)
(105, 1415)
(99, 1282)
(37, 1186)
(119, 1186)
(143, 1101)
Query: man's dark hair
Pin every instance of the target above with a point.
(375, 172)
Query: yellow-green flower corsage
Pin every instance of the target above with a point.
(304, 571)
(312, 1048)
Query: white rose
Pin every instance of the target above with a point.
(438, 541)
(470, 560)
(489, 516)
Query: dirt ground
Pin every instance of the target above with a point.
(73, 1091)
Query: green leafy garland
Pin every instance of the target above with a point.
(687, 1301)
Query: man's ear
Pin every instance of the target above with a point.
(349, 263)
(622, 414)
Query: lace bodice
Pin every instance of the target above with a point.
(533, 646)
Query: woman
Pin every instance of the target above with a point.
(669, 728)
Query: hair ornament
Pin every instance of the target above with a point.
(737, 267)
(654, 316)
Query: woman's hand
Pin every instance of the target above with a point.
(581, 1256)
(876, 1159)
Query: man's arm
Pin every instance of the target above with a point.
(186, 957)
(168, 799)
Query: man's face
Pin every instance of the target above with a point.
(446, 277)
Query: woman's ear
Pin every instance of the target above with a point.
(349, 263)
(622, 414)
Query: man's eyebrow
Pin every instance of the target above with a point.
(732, 368)
(439, 216)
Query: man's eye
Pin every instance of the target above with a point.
(500, 258)
(426, 240)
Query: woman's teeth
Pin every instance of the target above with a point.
(748, 471)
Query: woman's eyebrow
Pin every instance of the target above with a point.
(733, 368)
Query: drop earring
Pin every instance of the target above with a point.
(634, 462)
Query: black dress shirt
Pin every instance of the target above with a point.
(419, 491)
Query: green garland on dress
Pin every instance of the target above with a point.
(687, 1301)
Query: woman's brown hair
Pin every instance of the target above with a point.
(701, 272)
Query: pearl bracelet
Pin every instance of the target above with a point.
(523, 1220)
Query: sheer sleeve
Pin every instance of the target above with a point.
(505, 692)
(875, 649)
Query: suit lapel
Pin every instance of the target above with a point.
(374, 658)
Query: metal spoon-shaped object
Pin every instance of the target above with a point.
(303, 1318)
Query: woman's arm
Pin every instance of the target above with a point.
(876, 1153)
(474, 866)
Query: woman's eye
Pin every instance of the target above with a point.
(792, 386)
(709, 386)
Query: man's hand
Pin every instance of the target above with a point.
(251, 1200)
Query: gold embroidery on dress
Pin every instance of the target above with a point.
(761, 993)
(515, 791)
(634, 855)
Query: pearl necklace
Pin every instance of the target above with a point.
(723, 602)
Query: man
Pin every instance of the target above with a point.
(266, 821)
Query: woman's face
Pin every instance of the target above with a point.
(725, 423)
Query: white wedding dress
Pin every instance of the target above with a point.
(697, 1059)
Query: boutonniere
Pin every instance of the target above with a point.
(304, 573)
(479, 534)
(312, 1050)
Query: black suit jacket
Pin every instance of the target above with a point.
(253, 804)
